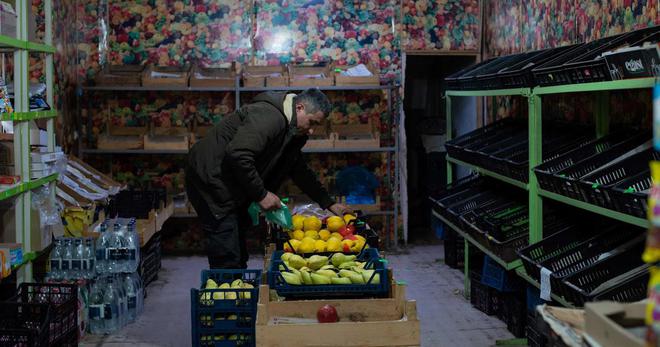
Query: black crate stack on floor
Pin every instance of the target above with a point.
(150, 260)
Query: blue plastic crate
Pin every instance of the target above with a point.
(370, 255)
(438, 227)
(533, 298)
(212, 314)
(495, 276)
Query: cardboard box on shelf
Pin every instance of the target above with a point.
(363, 79)
(310, 76)
(121, 75)
(166, 76)
(356, 135)
(613, 324)
(5, 266)
(268, 76)
(7, 152)
(213, 77)
(40, 237)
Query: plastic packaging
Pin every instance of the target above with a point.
(652, 251)
(46, 204)
(653, 308)
(311, 210)
(281, 216)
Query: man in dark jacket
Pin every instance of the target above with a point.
(244, 158)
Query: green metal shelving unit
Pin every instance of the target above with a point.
(22, 117)
(536, 195)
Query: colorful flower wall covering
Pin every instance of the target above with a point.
(598, 18)
(548, 23)
(441, 24)
(177, 32)
(347, 32)
(91, 37)
(502, 21)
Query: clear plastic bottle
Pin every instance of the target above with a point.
(115, 251)
(97, 309)
(111, 306)
(102, 250)
(67, 257)
(132, 295)
(140, 287)
(56, 261)
(89, 259)
(77, 260)
(123, 299)
(133, 244)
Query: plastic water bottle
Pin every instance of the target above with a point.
(67, 257)
(133, 243)
(132, 294)
(56, 260)
(88, 259)
(140, 286)
(123, 299)
(111, 304)
(96, 309)
(116, 251)
(102, 250)
(77, 260)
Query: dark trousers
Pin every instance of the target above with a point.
(225, 240)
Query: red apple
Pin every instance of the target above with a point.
(327, 314)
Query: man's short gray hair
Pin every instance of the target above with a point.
(314, 101)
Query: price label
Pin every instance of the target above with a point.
(76, 264)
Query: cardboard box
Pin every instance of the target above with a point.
(120, 142)
(7, 152)
(310, 76)
(166, 76)
(40, 237)
(213, 77)
(121, 75)
(613, 324)
(269, 76)
(5, 266)
(373, 80)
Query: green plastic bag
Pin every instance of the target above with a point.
(281, 216)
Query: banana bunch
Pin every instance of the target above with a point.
(319, 270)
(209, 294)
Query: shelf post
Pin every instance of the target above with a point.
(535, 121)
(449, 136)
(602, 108)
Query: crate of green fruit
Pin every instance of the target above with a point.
(337, 275)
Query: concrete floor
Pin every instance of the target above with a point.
(447, 319)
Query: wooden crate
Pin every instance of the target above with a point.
(115, 130)
(166, 142)
(269, 76)
(178, 76)
(213, 77)
(121, 75)
(163, 215)
(356, 135)
(146, 228)
(120, 142)
(321, 138)
(374, 79)
(303, 76)
(362, 322)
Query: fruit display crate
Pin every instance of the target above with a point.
(483, 297)
(623, 277)
(454, 249)
(377, 285)
(225, 316)
(24, 324)
(457, 147)
(150, 260)
(63, 302)
(381, 322)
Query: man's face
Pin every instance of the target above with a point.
(307, 120)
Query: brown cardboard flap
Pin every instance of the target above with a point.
(608, 323)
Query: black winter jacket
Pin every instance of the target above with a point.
(249, 152)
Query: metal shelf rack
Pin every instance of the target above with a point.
(391, 177)
(534, 98)
(20, 47)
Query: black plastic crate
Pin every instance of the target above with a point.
(486, 76)
(150, 260)
(136, 203)
(631, 195)
(517, 239)
(63, 299)
(586, 254)
(595, 187)
(24, 324)
(545, 173)
(622, 277)
(452, 80)
(482, 137)
(481, 154)
(454, 249)
(456, 211)
(553, 245)
(520, 75)
(643, 54)
(514, 311)
(537, 330)
(568, 179)
(483, 297)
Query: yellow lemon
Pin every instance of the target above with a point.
(336, 236)
(348, 218)
(307, 245)
(357, 245)
(335, 223)
(294, 243)
(361, 238)
(312, 223)
(312, 234)
(298, 234)
(324, 235)
(347, 245)
(333, 245)
(319, 246)
(297, 221)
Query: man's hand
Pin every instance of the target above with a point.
(270, 202)
(340, 209)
